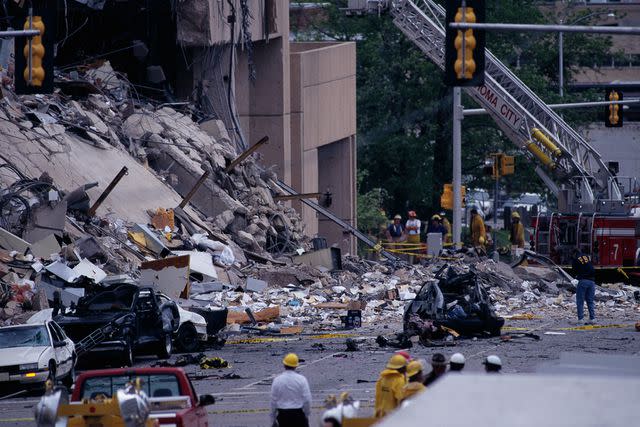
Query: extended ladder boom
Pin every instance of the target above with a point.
(574, 171)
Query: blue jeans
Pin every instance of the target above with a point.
(586, 290)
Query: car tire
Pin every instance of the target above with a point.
(127, 357)
(165, 347)
(187, 338)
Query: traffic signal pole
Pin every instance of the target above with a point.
(457, 165)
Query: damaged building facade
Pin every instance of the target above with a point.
(300, 95)
(229, 67)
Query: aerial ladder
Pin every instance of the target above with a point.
(572, 169)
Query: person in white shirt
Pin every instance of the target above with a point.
(290, 396)
(412, 228)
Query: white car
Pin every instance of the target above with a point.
(192, 330)
(33, 353)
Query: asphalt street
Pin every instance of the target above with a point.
(330, 369)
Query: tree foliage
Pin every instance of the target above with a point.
(404, 111)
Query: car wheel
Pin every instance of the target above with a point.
(165, 347)
(187, 338)
(127, 357)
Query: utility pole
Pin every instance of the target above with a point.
(457, 165)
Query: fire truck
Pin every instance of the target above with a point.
(594, 207)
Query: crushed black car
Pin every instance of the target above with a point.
(456, 301)
(122, 320)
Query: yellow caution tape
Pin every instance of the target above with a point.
(327, 336)
(260, 340)
(591, 327)
(514, 328)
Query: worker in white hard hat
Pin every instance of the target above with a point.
(456, 363)
(492, 364)
(290, 396)
(517, 231)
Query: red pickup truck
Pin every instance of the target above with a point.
(173, 399)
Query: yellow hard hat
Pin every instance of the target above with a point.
(413, 368)
(436, 217)
(515, 215)
(291, 360)
(397, 361)
(481, 240)
(397, 217)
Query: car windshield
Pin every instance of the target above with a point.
(161, 385)
(24, 336)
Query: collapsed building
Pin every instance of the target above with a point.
(123, 175)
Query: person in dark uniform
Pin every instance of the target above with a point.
(439, 365)
(586, 287)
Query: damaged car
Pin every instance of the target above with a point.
(192, 332)
(122, 319)
(455, 301)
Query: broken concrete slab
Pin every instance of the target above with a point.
(255, 285)
(168, 275)
(11, 242)
(45, 220)
(46, 247)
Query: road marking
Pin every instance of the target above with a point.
(16, 420)
(271, 377)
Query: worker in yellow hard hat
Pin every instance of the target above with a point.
(517, 231)
(290, 396)
(478, 233)
(415, 378)
(390, 385)
(412, 228)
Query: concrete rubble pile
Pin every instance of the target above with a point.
(232, 249)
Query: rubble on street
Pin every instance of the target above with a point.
(232, 254)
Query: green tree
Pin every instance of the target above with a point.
(404, 111)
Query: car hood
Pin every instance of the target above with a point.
(21, 355)
(189, 316)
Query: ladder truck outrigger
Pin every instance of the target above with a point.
(594, 206)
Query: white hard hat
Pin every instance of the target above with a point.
(457, 358)
(493, 360)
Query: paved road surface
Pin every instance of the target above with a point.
(331, 370)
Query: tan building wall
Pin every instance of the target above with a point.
(303, 99)
(323, 123)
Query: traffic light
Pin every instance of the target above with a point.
(507, 165)
(34, 67)
(464, 49)
(613, 112)
(33, 73)
(446, 199)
